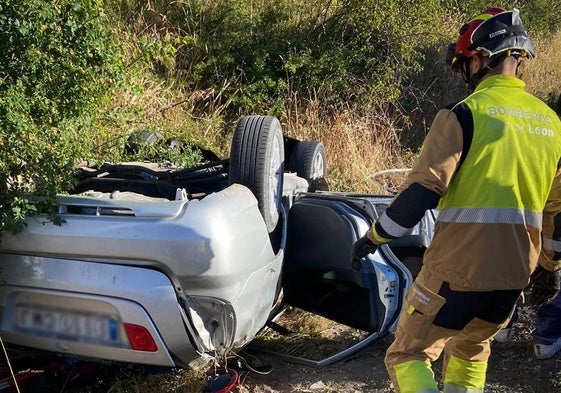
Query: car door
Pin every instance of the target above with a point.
(317, 276)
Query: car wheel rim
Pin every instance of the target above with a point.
(274, 175)
(318, 167)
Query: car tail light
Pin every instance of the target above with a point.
(214, 321)
(140, 338)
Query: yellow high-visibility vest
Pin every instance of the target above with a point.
(508, 171)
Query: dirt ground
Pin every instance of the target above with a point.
(512, 369)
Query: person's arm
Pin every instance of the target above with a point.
(447, 142)
(545, 281)
(429, 178)
(551, 230)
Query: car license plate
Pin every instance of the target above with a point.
(65, 324)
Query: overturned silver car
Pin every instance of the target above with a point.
(163, 266)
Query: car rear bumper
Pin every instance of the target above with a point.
(86, 316)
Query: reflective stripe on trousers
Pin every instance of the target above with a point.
(415, 376)
(464, 376)
(451, 388)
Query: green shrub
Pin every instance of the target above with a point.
(258, 56)
(539, 16)
(57, 61)
(354, 52)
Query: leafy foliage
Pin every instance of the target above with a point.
(57, 60)
(539, 16)
(271, 56)
(152, 147)
(262, 56)
(258, 56)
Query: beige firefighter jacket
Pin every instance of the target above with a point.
(491, 162)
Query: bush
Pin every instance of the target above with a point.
(57, 61)
(539, 16)
(258, 56)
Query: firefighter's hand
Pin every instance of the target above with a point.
(544, 285)
(361, 248)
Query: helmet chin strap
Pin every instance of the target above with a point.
(472, 80)
(476, 77)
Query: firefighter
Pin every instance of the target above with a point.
(547, 332)
(544, 290)
(545, 286)
(487, 164)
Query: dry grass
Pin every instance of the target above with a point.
(163, 107)
(357, 145)
(543, 74)
(362, 145)
(177, 381)
(312, 336)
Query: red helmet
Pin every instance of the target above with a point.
(494, 31)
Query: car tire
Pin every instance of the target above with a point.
(257, 162)
(138, 139)
(309, 160)
(174, 143)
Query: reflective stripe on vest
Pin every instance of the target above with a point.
(491, 216)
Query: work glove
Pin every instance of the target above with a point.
(544, 285)
(361, 248)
